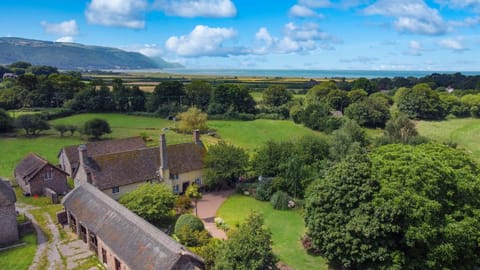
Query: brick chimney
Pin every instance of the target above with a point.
(82, 154)
(196, 137)
(163, 152)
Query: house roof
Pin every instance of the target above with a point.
(136, 242)
(31, 165)
(103, 147)
(118, 169)
(7, 195)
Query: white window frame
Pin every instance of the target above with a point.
(48, 174)
(115, 190)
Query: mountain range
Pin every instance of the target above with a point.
(75, 56)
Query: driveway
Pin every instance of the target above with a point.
(207, 209)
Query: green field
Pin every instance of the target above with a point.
(287, 228)
(249, 135)
(465, 132)
(19, 258)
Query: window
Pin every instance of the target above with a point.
(198, 181)
(175, 189)
(104, 256)
(115, 190)
(174, 176)
(48, 174)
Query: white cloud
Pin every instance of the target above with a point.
(415, 48)
(297, 38)
(122, 13)
(204, 41)
(150, 50)
(413, 16)
(302, 12)
(315, 3)
(65, 28)
(461, 4)
(65, 39)
(197, 8)
(452, 44)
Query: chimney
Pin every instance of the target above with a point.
(163, 152)
(82, 155)
(196, 137)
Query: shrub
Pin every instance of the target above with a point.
(264, 190)
(183, 204)
(280, 200)
(193, 238)
(221, 224)
(190, 221)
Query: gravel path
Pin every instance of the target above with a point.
(207, 209)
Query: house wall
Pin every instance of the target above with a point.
(65, 163)
(8, 225)
(122, 190)
(24, 185)
(110, 256)
(185, 177)
(58, 183)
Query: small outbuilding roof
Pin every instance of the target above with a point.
(7, 195)
(31, 165)
(136, 242)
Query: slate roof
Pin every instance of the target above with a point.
(118, 169)
(103, 147)
(7, 195)
(136, 242)
(31, 165)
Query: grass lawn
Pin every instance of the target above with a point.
(20, 258)
(286, 227)
(253, 134)
(465, 132)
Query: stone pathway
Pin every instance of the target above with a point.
(74, 251)
(207, 209)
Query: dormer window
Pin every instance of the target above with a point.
(48, 174)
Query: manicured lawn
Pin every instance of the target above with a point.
(465, 132)
(19, 258)
(253, 134)
(287, 228)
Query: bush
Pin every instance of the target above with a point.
(190, 221)
(183, 204)
(280, 200)
(192, 238)
(264, 190)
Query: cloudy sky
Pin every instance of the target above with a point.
(275, 34)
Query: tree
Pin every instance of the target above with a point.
(400, 207)
(231, 98)
(153, 202)
(61, 128)
(193, 194)
(96, 128)
(338, 99)
(6, 121)
(248, 248)
(224, 164)
(420, 102)
(31, 123)
(166, 93)
(193, 119)
(317, 116)
(347, 140)
(370, 112)
(276, 95)
(198, 94)
(400, 129)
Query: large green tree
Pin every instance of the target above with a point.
(96, 128)
(248, 248)
(225, 164)
(31, 123)
(6, 121)
(276, 95)
(420, 102)
(401, 207)
(153, 202)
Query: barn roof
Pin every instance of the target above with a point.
(31, 165)
(7, 195)
(136, 242)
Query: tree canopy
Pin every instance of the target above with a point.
(153, 202)
(96, 128)
(193, 119)
(31, 123)
(400, 207)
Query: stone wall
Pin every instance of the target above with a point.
(58, 183)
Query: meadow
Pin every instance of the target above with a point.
(249, 135)
(465, 132)
(287, 227)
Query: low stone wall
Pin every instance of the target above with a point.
(25, 228)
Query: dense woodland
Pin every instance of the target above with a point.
(397, 201)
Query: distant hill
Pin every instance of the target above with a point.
(74, 56)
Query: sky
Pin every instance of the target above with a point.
(437, 35)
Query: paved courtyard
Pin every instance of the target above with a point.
(207, 209)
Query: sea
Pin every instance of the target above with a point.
(302, 73)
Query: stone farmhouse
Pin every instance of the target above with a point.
(8, 215)
(68, 157)
(115, 173)
(121, 239)
(37, 176)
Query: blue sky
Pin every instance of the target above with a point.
(274, 34)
